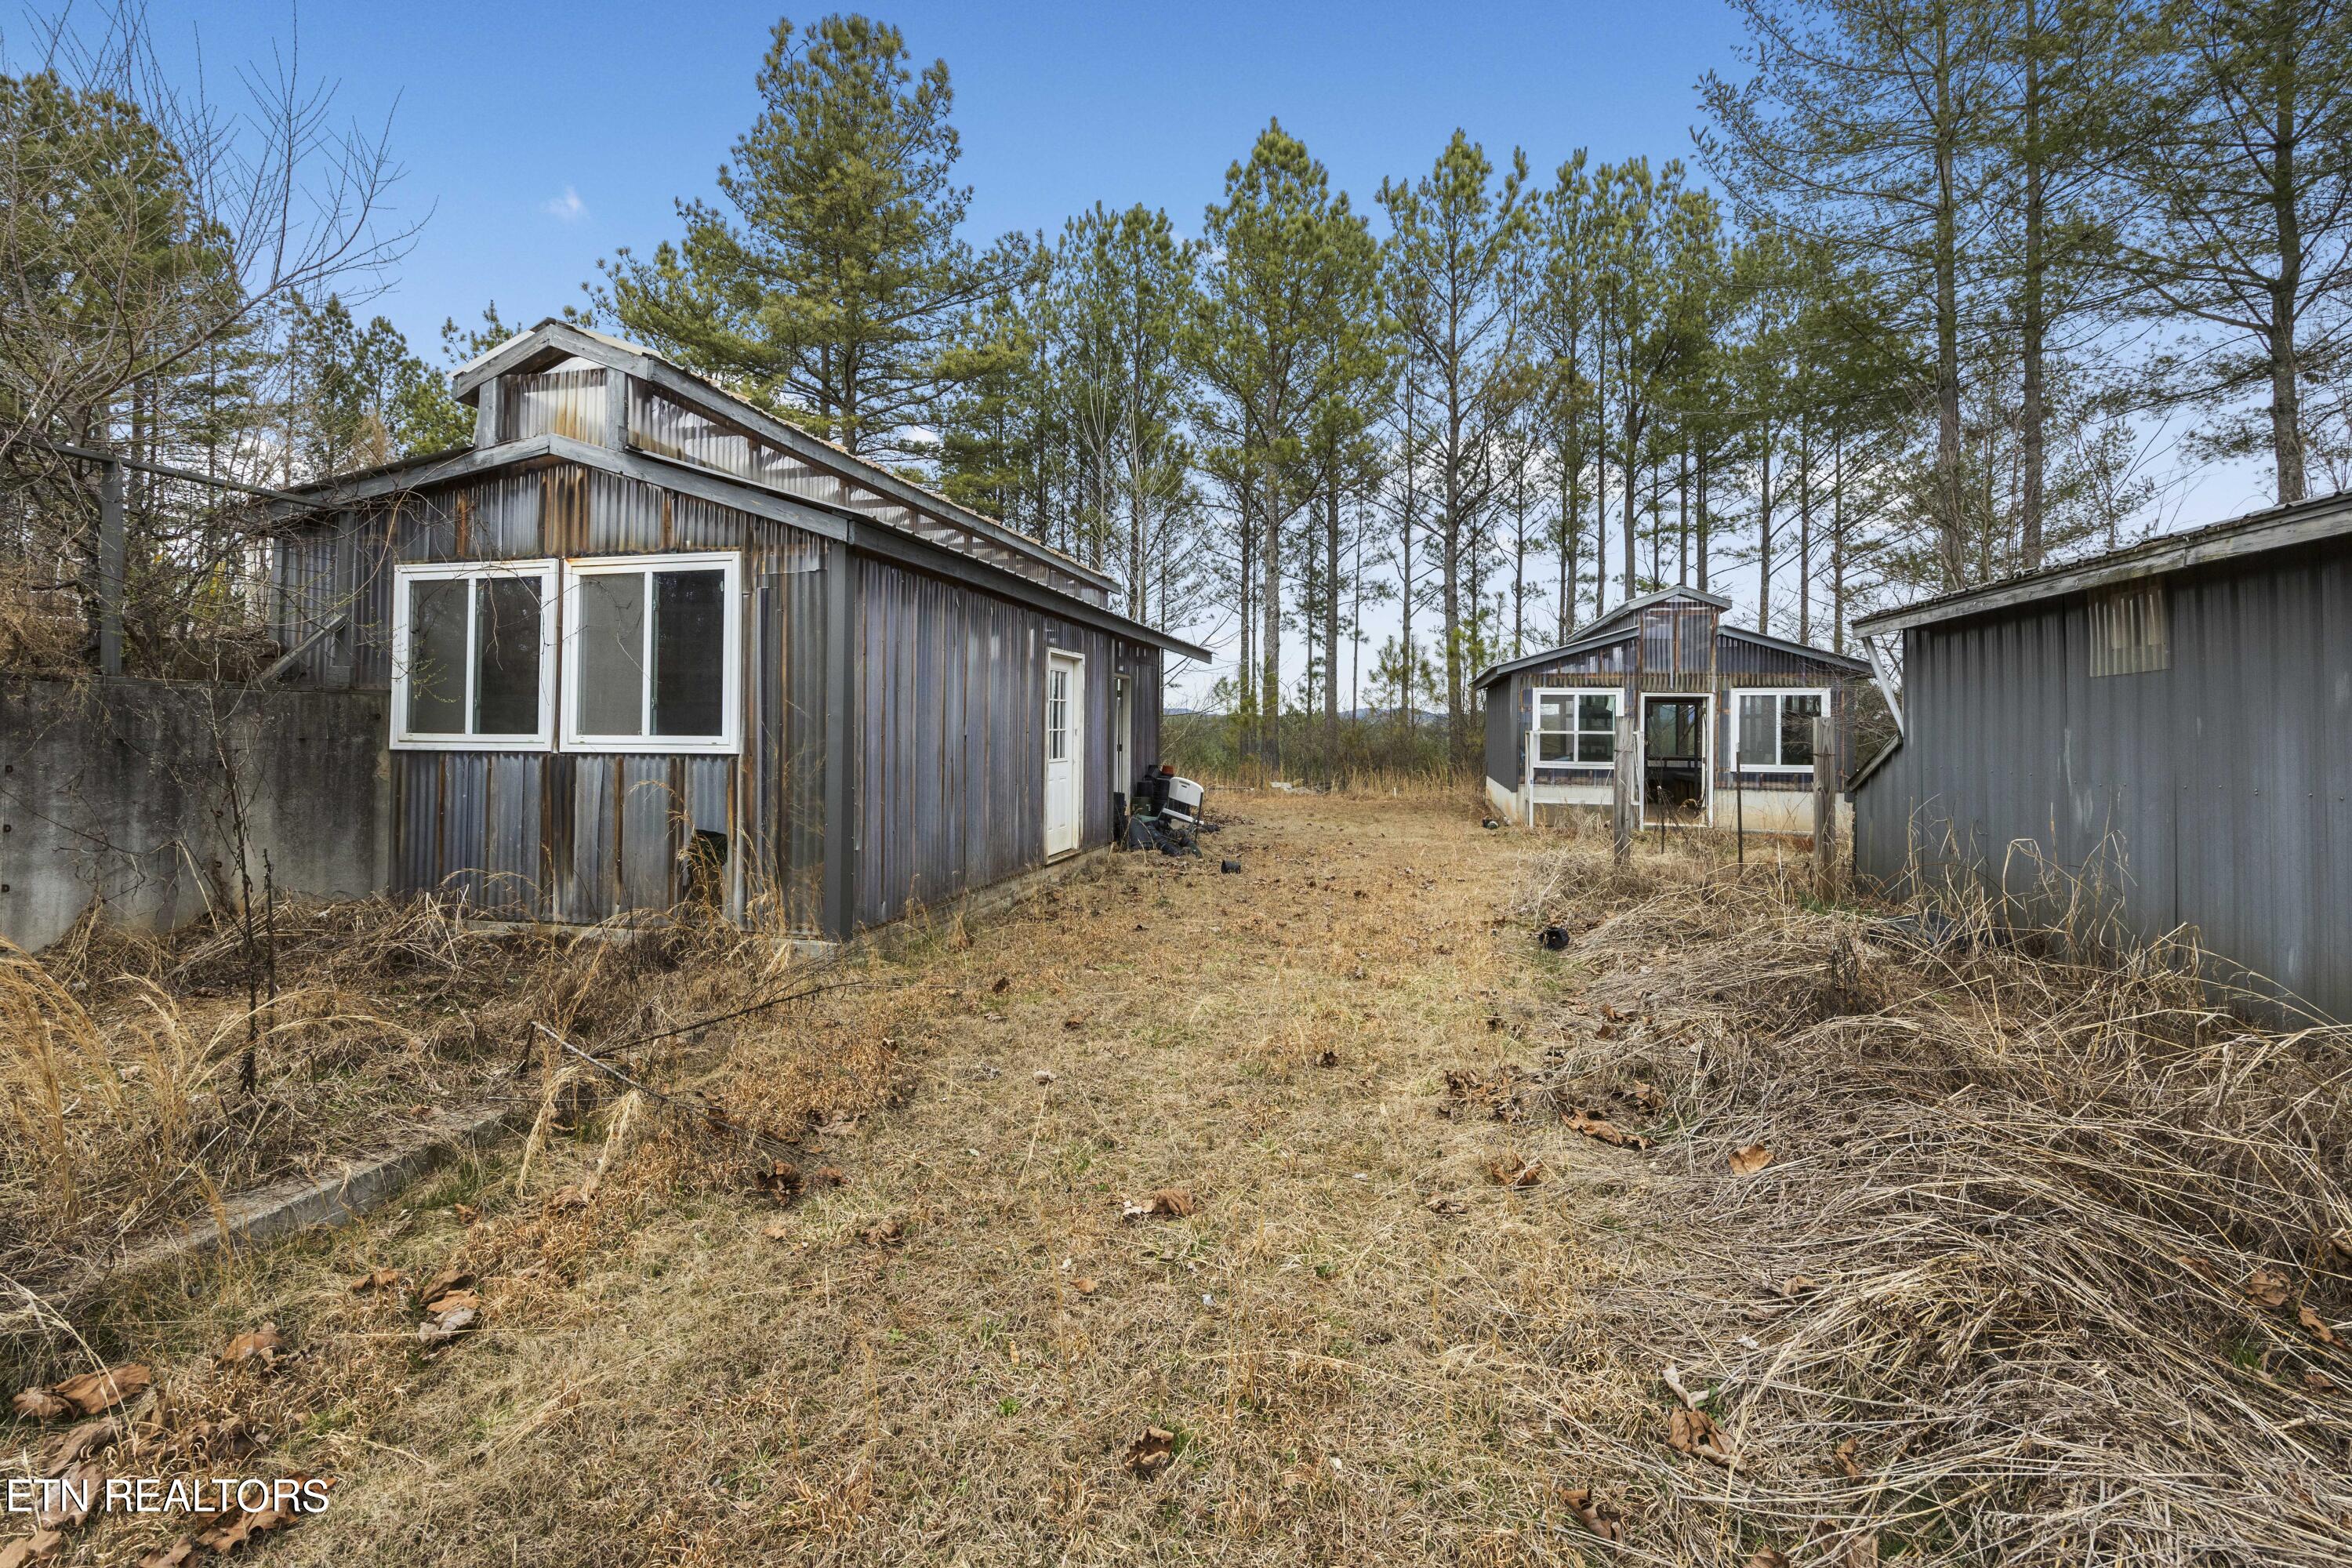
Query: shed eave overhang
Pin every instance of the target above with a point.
(2279, 528)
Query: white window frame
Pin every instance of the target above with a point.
(1739, 695)
(1615, 696)
(730, 740)
(403, 576)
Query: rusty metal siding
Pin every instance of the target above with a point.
(2211, 795)
(945, 759)
(586, 836)
(950, 748)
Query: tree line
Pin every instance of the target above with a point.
(1941, 287)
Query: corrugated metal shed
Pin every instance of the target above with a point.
(1671, 641)
(892, 664)
(2211, 795)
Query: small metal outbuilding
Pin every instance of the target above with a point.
(2162, 735)
(644, 642)
(1725, 730)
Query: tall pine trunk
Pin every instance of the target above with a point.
(2030, 397)
(1947, 313)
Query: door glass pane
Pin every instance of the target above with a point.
(436, 656)
(1758, 719)
(1057, 705)
(610, 646)
(690, 652)
(506, 656)
(1797, 716)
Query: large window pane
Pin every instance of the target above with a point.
(436, 656)
(1758, 727)
(690, 652)
(1797, 716)
(506, 656)
(1597, 713)
(610, 645)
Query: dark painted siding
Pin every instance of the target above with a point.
(1505, 736)
(2210, 795)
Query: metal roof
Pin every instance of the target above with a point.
(2277, 528)
(1619, 624)
(553, 340)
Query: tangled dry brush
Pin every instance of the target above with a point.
(1983, 1249)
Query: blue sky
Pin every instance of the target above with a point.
(543, 136)
(540, 137)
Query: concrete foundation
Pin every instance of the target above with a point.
(118, 793)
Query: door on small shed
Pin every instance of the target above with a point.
(1676, 747)
(1065, 708)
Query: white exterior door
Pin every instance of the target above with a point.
(1066, 707)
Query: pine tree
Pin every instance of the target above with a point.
(1458, 258)
(833, 282)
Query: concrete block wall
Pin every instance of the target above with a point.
(117, 792)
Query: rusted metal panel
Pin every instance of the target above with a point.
(554, 403)
(513, 835)
(589, 890)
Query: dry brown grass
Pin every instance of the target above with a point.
(1365, 1349)
(2074, 1238)
(121, 1055)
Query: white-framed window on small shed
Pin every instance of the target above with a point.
(1772, 731)
(1057, 713)
(2130, 634)
(473, 656)
(1575, 729)
(653, 653)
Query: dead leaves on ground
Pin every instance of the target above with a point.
(90, 1393)
(1596, 1515)
(2268, 1286)
(261, 1347)
(37, 1547)
(1151, 1452)
(1751, 1158)
(1167, 1202)
(376, 1281)
(1690, 1431)
(1514, 1170)
(1604, 1131)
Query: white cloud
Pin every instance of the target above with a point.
(567, 207)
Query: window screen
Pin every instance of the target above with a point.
(507, 628)
(1776, 728)
(1596, 728)
(437, 655)
(610, 645)
(469, 659)
(653, 650)
(690, 652)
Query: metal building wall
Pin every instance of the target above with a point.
(1505, 739)
(951, 699)
(2211, 795)
(585, 836)
(945, 788)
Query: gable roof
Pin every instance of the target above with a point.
(2255, 533)
(1622, 623)
(879, 511)
(553, 341)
